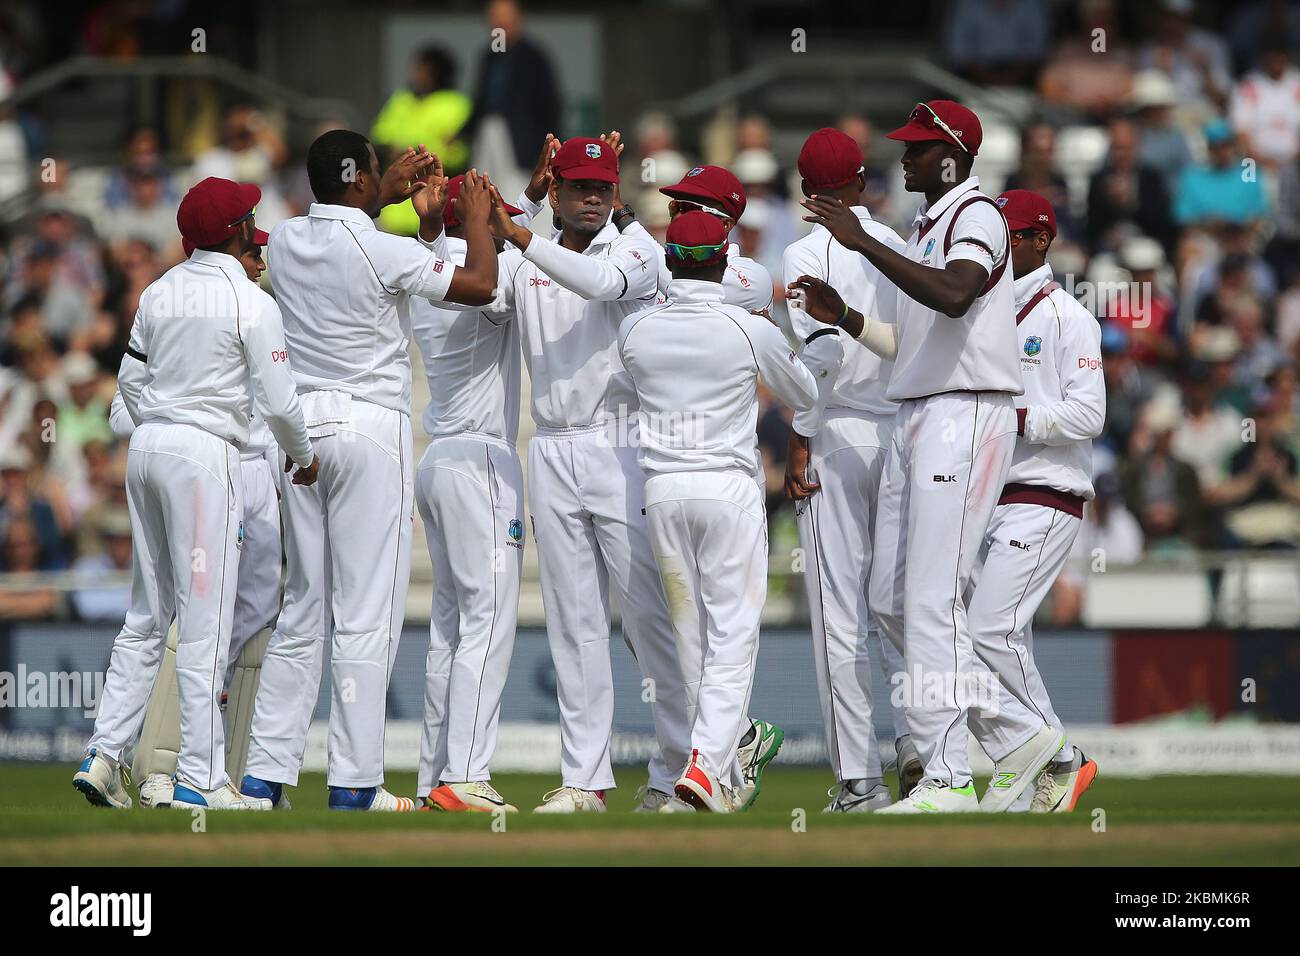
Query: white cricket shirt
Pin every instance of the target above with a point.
(976, 351)
(210, 341)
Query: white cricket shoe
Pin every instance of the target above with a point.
(103, 780)
(186, 796)
(572, 800)
(656, 801)
(844, 800)
(765, 740)
(373, 799)
(156, 790)
(1020, 768)
(910, 768)
(934, 797)
(467, 795)
(1060, 785)
(700, 788)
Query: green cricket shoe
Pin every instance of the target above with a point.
(764, 740)
(932, 796)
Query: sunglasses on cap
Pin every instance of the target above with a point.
(1028, 233)
(931, 119)
(696, 253)
(244, 218)
(685, 205)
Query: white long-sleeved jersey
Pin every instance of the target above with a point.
(1064, 404)
(569, 306)
(695, 361)
(745, 283)
(344, 288)
(471, 359)
(864, 376)
(205, 347)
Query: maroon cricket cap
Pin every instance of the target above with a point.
(585, 158)
(260, 238)
(830, 159)
(922, 125)
(1027, 210)
(211, 209)
(697, 228)
(710, 186)
(449, 217)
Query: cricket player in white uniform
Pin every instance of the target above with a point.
(586, 491)
(257, 599)
(695, 362)
(469, 487)
(1041, 507)
(204, 341)
(345, 290)
(837, 454)
(955, 378)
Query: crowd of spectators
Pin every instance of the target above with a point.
(1183, 237)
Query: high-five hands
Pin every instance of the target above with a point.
(405, 174)
(540, 183)
(817, 298)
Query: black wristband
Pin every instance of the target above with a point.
(623, 216)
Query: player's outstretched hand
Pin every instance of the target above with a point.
(404, 174)
(308, 475)
(841, 221)
(429, 194)
(798, 486)
(475, 203)
(818, 299)
(540, 184)
(614, 140)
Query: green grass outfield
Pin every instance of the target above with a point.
(1163, 821)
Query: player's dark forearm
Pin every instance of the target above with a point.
(936, 288)
(480, 269)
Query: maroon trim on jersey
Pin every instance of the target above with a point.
(1018, 494)
(952, 224)
(1036, 298)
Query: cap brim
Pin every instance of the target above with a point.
(589, 172)
(512, 210)
(260, 237)
(916, 133)
(689, 191)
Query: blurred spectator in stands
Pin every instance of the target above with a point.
(20, 550)
(1265, 108)
(997, 42)
(1143, 307)
(767, 218)
(1109, 537)
(516, 102)
(1128, 387)
(1260, 355)
(113, 558)
(13, 146)
(1252, 23)
(251, 151)
(148, 213)
(22, 503)
(1262, 495)
(1163, 145)
(64, 308)
(429, 110)
(141, 152)
(1233, 276)
(1223, 190)
(1210, 430)
(1124, 191)
(83, 416)
(1162, 491)
(1288, 316)
(39, 362)
(1195, 59)
(77, 257)
(1037, 173)
(655, 138)
(1091, 71)
(876, 196)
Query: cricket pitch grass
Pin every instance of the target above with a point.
(1167, 821)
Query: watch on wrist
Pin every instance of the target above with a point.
(623, 216)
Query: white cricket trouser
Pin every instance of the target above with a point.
(846, 457)
(348, 554)
(184, 492)
(470, 491)
(709, 534)
(257, 596)
(587, 496)
(1028, 546)
(948, 460)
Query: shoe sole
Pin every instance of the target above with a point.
(1007, 798)
(95, 796)
(778, 738)
(1082, 781)
(687, 793)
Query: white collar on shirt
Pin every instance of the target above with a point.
(324, 210)
(929, 214)
(1028, 284)
(694, 290)
(608, 233)
(219, 260)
